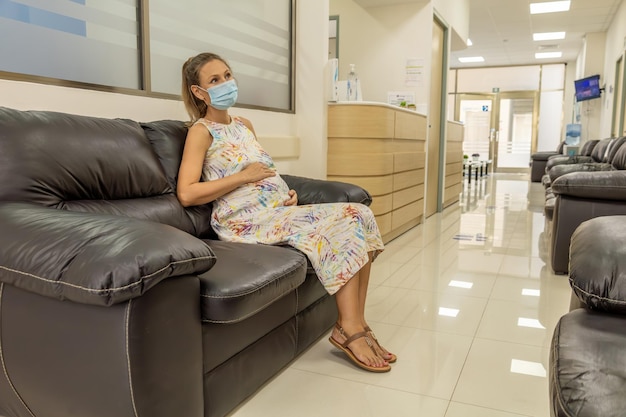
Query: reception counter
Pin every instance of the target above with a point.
(453, 182)
(382, 149)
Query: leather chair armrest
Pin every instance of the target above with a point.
(543, 156)
(567, 160)
(601, 185)
(314, 191)
(598, 263)
(92, 258)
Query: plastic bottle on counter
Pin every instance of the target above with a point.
(352, 84)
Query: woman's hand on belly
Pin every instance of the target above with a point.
(257, 171)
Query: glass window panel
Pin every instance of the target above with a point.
(505, 78)
(87, 41)
(254, 36)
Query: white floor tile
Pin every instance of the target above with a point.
(465, 410)
(529, 322)
(505, 376)
(428, 362)
(305, 394)
(441, 312)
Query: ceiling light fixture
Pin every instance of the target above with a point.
(469, 42)
(549, 7)
(471, 59)
(545, 55)
(548, 36)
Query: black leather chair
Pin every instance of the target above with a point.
(596, 190)
(538, 162)
(587, 359)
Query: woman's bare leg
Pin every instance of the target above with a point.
(351, 320)
(364, 278)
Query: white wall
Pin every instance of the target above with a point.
(590, 62)
(614, 50)
(308, 123)
(456, 14)
(379, 40)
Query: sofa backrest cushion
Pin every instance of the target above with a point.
(167, 138)
(83, 163)
(614, 148)
(587, 148)
(619, 159)
(600, 149)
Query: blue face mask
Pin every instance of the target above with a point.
(223, 96)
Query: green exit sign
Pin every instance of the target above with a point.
(495, 90)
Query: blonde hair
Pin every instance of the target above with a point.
(191, 69)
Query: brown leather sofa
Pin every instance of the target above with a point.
(117, 301)
(602, 152)
(588, 153)
(587, 358)
(595, 190)
(600, 159)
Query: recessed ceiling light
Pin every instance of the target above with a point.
(549, 7)
(469, 42)
(544, 55)
(472, 59)
(548, 36)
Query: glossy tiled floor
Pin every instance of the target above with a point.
(468, 304)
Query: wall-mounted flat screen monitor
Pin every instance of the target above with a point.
(587, 88)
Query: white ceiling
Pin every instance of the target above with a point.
(502, 30)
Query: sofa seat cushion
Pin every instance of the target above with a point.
(247, 278)
(587, 365)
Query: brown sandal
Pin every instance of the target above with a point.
(349, 339)
(393, 357)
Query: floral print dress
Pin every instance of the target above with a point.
(335, 237)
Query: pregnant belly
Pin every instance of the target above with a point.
(265, 194)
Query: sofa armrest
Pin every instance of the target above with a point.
(543, 155)
(598, 263)
(567, 160)
(314, 191)
(602, 185)
(92, 258)
(560, 170)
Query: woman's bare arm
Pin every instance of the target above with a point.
(190, 190)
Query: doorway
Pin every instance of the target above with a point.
(436, 121)
(500, 127)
